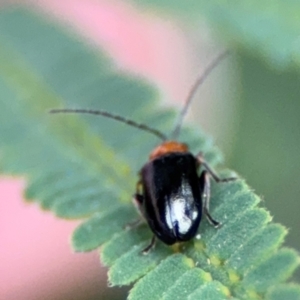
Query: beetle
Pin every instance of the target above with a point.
(170, 195)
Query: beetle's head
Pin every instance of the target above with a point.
(168, 147)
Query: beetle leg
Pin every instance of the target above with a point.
(150, 246)
(137, 201)
(212, 173)
(134, 224)
(205, 186)
(138, 198)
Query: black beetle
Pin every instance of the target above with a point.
(170, 194)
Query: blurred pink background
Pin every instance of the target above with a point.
(36, 259)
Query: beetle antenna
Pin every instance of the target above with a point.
(106, 114)
(193, 91)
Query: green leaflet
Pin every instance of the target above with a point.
(290, 292)
(94, 232)
(167, 271)
(187, 284)
(79, 166)
(212, 290)
(132, 265)
(273, 270)
(270, 28)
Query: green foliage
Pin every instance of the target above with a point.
(79, 166)
(268, 136)
(290, 292)
(270, 28)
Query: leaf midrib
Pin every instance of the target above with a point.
(21, 78)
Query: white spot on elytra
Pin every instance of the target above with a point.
(195, 215)
(175, 214)
(176, 211)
